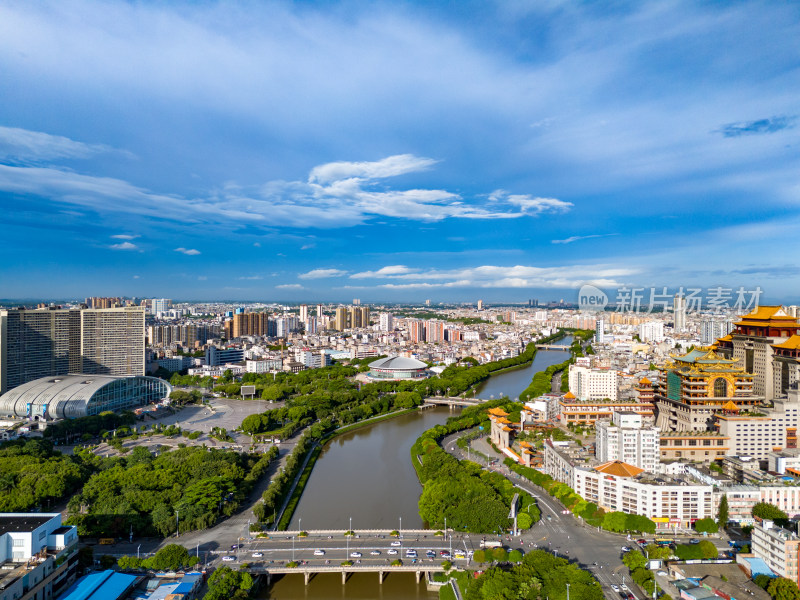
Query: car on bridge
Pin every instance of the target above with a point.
(257, 555)
(355, 555)
(411, 554)
(396, 543)
(375, 553)
(430, 554)
(319, 552)
(445, 554)
(228, 558)
(392, 551)
(615, 587)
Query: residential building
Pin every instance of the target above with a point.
(303, 313)
(713, 329)
(44, 343)
(599, 331)
(592, 384)
(220, 356)
(782, 460)
(386, 322)
(652, 331)
(758, 434)
(693, 446)
(625, 439)
(38, 556)
(575, 412)
(743, 469)
(616, 486)
(778, 548)
(679, 312)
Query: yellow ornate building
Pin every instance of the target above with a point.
(692, 388)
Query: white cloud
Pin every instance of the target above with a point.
(202, 278)
(22, 144)
(307, 246)
(289, 286)
(124, 236)
(322, 273)
(391, 166)
(252, 278)
(124, 246)
(189, 251)
(576, 238)
(335, 203)
(518, 276)
(390, 271)
(136, 276)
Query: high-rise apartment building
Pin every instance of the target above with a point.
(303, 312)
(416, 331)
(43, 343)
(777, 547)
(592, 384)
(342, 319)
(160, 305)
(434, 331)
(652, 331)
(386, 322)
(713, 329)
(480, 304)
(624, 438)
(104, 302)
(252, 323)
(600, 331)
(679, 310)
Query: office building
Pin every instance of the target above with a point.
(625, 439)
(43, 343)
(222, 356)
(592, 384)
(694, 387)
(778, 548)
(160, 305)
(38, 556)
(679, 310)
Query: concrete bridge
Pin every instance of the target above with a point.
(453, 401)
(308, 571)
(562, 347)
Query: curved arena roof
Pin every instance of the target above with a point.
(71, 396)
(399, 363)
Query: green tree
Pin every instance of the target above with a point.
(170, 558)
(706, 525)
(708, 549)
(634, 560)
(515, 556)
(524, 521)
(783, 589)
(615, 521)
(227, 584)
(500, 554)
(479, 556)
(722, 511)
(763, 510)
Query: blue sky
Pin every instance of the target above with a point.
(397, 151)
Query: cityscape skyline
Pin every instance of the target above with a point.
(388, 151)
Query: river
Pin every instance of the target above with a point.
(367, 475)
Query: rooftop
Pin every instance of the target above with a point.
(398, 362)
(16, 523)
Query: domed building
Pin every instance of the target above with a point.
(399, 368)
(72, 396)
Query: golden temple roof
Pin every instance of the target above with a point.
(507, 428)
(618, 468)
(502, 420)
(730, 405)
(645, 381)
(764, 315)
(569, 396)
(793, 343)
(498, 412)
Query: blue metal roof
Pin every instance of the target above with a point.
(106, 585)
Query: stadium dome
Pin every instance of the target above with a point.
(72, 396)
(397, 367)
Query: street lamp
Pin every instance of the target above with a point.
(349, 531)
(567, 591)
(400, 531)
(137, 551)
(177, 523)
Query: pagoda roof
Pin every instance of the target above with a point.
(793, 343)
(497, 412)
(764, 315)
(525, 444)
(730, 405)
(727, 338)
(507, 428)
(619, 469)
(502, 420)
(569, 396)
(645, 381)
(704, 356)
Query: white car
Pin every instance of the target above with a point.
(258, 555)
(615, 587)
(392, 551)
(228, 558)
(355, 555)
(375, 553)
(396, 543)
(624, 587)
(319, 552)
(411, 554)
(662, 573)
